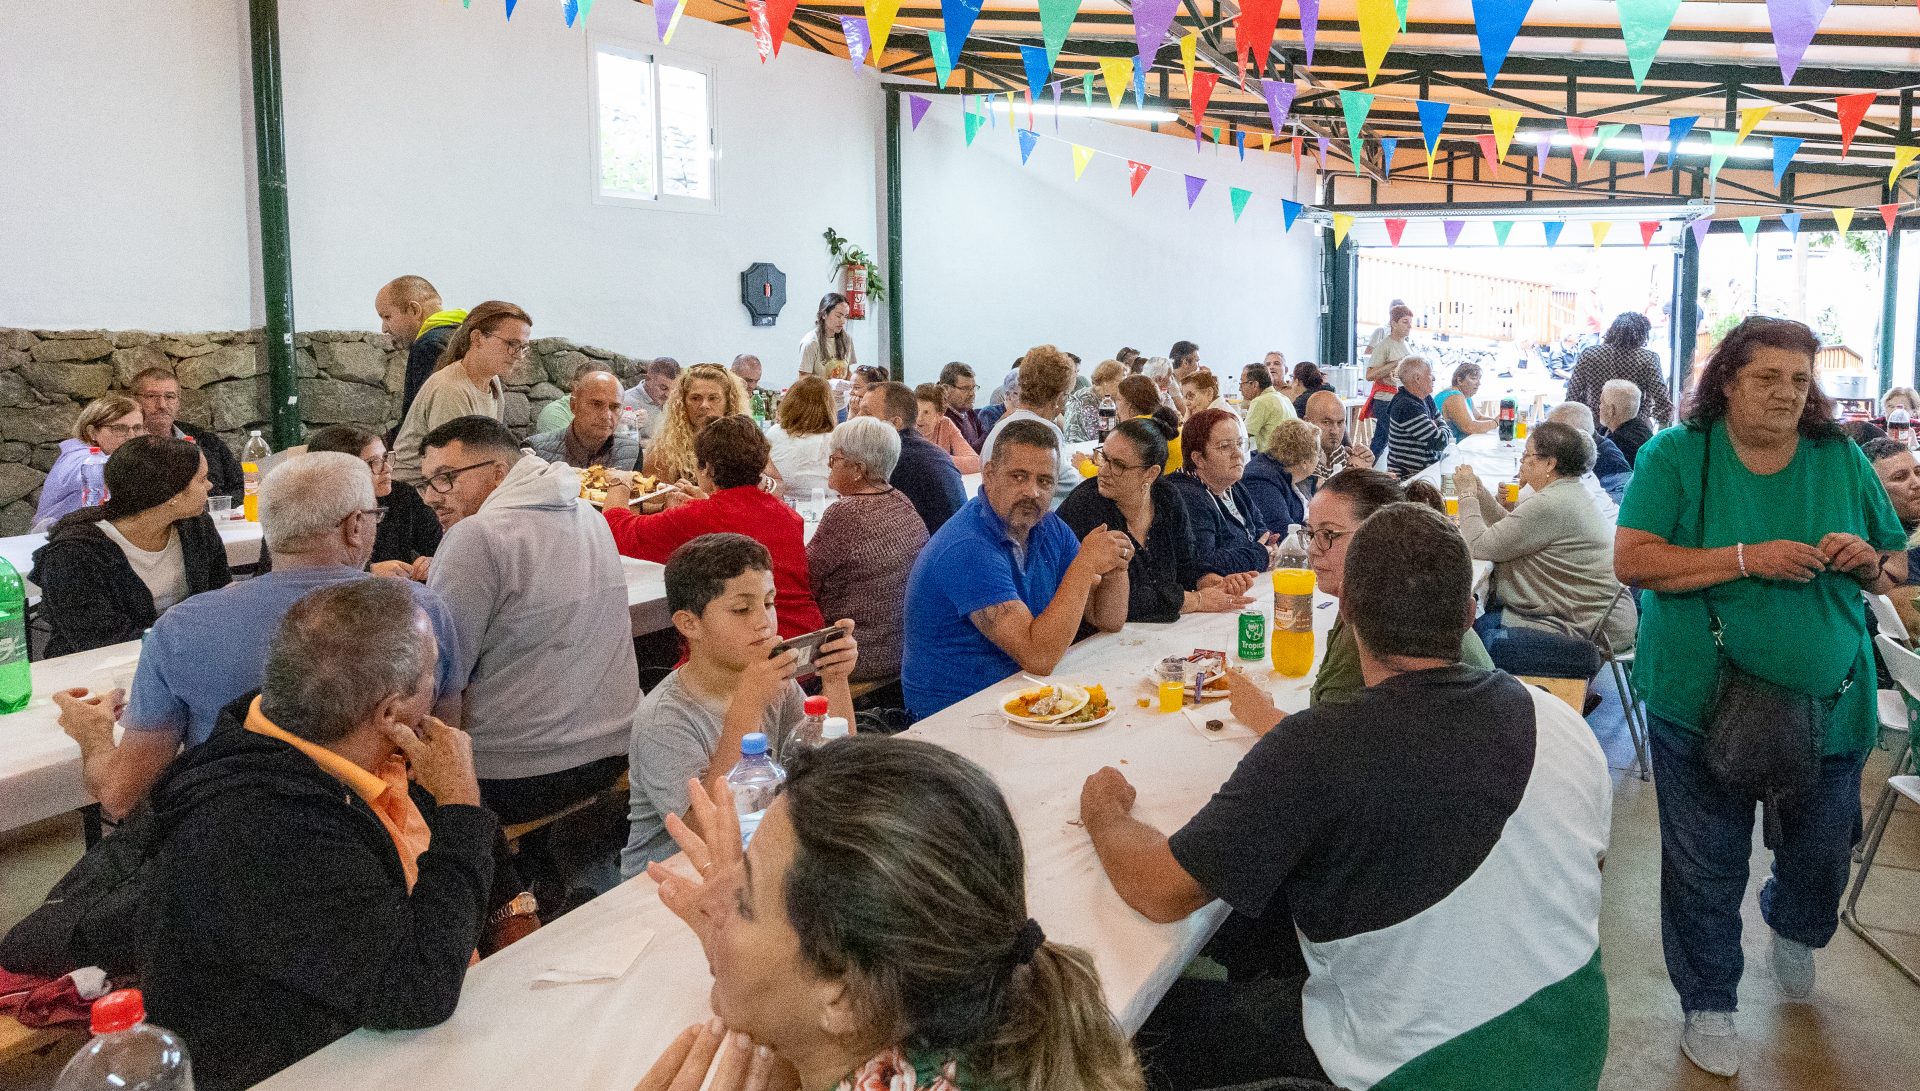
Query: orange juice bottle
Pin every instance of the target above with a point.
(1293, 621)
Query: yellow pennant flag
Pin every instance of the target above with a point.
(1011, 125)
(1189, 43)
(1081, 157)
(1750, 117)
(880, 16)
(1379, 25)
(1342, 221)
(1118, 72)
(1903, 158)
(1843, 219)
(1266, 141)
(1504, 123)
(1600, 229)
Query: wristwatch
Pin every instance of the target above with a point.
(522, 904)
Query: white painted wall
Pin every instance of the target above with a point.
(1000, 256)
(126, 178)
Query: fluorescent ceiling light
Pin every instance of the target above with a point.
(1625, 143)
(1611, 211)
(1102, 113)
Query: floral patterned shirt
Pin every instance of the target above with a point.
(894, 1070)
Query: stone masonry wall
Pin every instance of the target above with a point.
(345, 377)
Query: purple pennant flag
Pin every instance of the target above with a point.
(663, 16)
(1322, 143)
(1794, 24)
(1056, 106)
(1542, 149)
(917, 108)
(1652, 137)
(1194, 185)
(1279, 95)
(1452, 228)
(855, 28)
(1699, 229)
(1151, 19)
(1028, 138)
(1309, 24)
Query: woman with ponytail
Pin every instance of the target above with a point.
(108, 572)
(876, 930)
(468, 381)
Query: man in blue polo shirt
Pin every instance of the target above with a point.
(1003, 587)
(319, 516)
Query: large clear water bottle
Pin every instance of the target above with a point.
(1108, 410)
(16, 674)
(93, 478)
(754, 782)
(810, 732)
(1294, 550)
(251, 456)
(127, 1053)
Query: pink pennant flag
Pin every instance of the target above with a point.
(1395, 228)
(1492, 153)
(1581, 130)
(1889, 213)
(1542, 150)
(1648, 229)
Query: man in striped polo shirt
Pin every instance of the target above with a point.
(1435, 845)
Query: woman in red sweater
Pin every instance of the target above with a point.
(730, 453)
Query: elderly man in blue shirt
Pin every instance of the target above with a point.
(1003, 586)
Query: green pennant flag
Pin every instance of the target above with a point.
(1500, 230)
(1355, 105)
(1056, 19)
(942, 63)
(1749, 225)
(1723, 142)
(1086, 88)
(973, 125)
(1400, 9)
(1238, 198)
(1644, 23)
(1607, 132)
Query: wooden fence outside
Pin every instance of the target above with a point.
(1454, 303)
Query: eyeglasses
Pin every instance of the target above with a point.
(967, 389)
(120, 429)
(515, 346)
(1228, 448)
(442, 482)
(379, 514)
(1323, 538)
(383, 464)
(1101, 458)
(157, 396)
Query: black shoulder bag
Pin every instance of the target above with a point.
(1762, 739)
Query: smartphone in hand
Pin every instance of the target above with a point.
(806, 647)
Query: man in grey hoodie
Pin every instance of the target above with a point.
(538, 597)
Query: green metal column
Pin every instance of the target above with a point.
(1686, 313)
(896, 344)
(276, 248)
(1336, 303)
(1889, 305)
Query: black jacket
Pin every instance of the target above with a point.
(281, 916)
(1271, 487)
(1629, 437)
(927, 476)
(1220, 545)
(1162, 569)
(89, 593)
(409, 531)
(223, 469)
(422, 358)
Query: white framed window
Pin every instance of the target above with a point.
(654, 139)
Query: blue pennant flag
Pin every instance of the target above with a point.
(1035, 58)
(1028, 138)
(1553, 229)
(1784, 149)
(1677, 130)
(1388, 145)
(1792, 220)
(1433, 115)
(1289, 212)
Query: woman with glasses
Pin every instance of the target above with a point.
(1164, 580)
(409, 531)
(468, 382)
(861, 553)
(1229, 535)
(108, 572)
(106, 423)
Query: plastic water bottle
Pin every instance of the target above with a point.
(93, 478)
(1294, 550)
(810, 732)
(1107, 412)
(754, 782)
(835, 728)
(16, 674)
(127, 1053)
(251, 456)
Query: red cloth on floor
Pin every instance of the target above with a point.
(47, 1002)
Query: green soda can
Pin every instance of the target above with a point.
(1253, 635)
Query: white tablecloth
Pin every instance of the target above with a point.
(507, 1034)
(1492, 461)
(40, 766)
(243, 540)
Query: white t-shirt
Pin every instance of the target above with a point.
(163, 571)
(801, 460)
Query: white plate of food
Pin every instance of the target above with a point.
(1215, 663)
(594, 481)
(1061, 707)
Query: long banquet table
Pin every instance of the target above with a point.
(244, 542)
(510, 1033)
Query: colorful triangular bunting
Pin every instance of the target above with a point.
(1354, 105)
(917, 109)
(1600, 229)
(1648, 229)
(1552, 229)
(1749, 226)
(1644, 23)
(1452, 230)
(1395, 228)
(1501, 228)
(1237, 197)
(1195, 184)
(1028, 139)
(1497, 22)
(1784, 148)
(1081, 157)
(1794, 24)
(1136, 174)
(1850, 109)
(1289, 212)
(1341, 223)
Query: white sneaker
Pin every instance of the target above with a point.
(1793, 967)
(1711, 1043)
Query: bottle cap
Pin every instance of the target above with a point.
(836, 728)
(753, 745)
(117, 1011)
(815, 706)
(94, 450)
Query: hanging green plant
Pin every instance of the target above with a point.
(845, 253)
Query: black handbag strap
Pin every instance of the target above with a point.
(1714, 624)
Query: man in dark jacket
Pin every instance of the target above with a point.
(306, 890)
(925, 473)
(158, 393)
(412, 317)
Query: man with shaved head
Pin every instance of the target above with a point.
(1325, 412)
(592, 438)
(410, 313)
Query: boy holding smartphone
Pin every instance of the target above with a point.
(720, 589)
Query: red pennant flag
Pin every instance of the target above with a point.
(1487, 149)
(1296, 153)
(1136, 174)
(763, 40)
(1580, 128)
(1253, 33)
(779, 14)
(1648, 229)
(1890, 213)
(1394, 230)
(1851, 109)
(1200, 92)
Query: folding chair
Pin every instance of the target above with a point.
(1621, 664)
(1904, 665)
(1888, 618)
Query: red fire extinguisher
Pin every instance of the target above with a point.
(856, 293)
